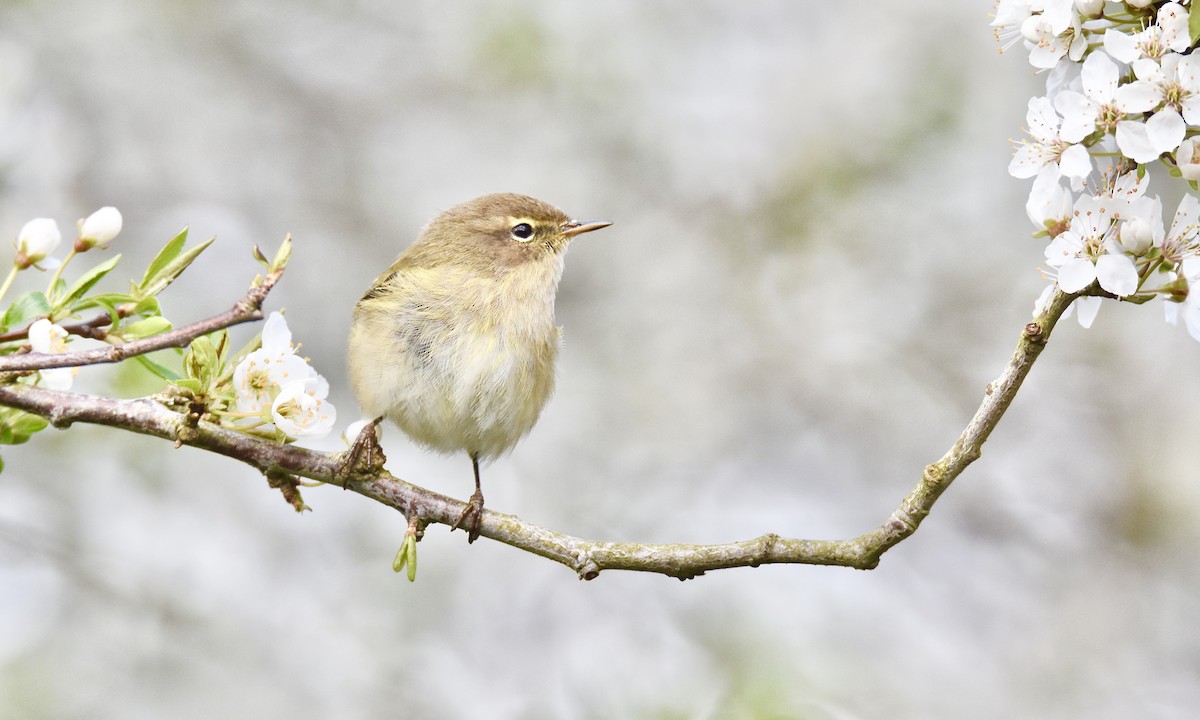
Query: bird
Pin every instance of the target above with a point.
(456, 342)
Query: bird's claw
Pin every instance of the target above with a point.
(470, 517)
(364, 455)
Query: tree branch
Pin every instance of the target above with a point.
(151, 416)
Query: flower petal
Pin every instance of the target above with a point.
(1134, 142)
(1121, 46)
(1028, 160)
(1191, 318)
(1166, 129)
(1079, 115)
(1099, 75)
(99, 229)
(1076, 162)
(276, 337)
(1076, 274)
(1138, 96)
(1117, 274)
(1042, 119)
(1171, 311)
(1088, 307)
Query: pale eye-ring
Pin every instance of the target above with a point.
(522, 231)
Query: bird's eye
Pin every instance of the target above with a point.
(523, 231)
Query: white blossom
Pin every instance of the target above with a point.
(1082, 254)
(99, 228)
(1047, 146)
(1049, 29)
(275, 371)
(1048, 44)
(1173, 81)
(1169, 33)
(1049, 205)
(1101, 101)
(37, 239)
(48, 338)
(300, 409)
(1137, 235)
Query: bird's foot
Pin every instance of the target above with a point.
(364, 456)
(470, 517)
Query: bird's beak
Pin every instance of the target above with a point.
(575, 227)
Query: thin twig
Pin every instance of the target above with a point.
(85, 328)
(586, 557)
(247, 309)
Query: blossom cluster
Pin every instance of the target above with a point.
(1121, 84)
(271, 391)
(279, 389)
(35, 243)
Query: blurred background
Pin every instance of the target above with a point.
(818, 262)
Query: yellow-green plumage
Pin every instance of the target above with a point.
(456, 342)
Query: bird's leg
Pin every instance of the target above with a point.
(364, 454)
(473, 512)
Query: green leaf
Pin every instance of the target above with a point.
(221, 338)
(283, 254)
(17, 426)
(104, 300)
(85, 283)
(146, 306)
(1193, 26)
(190, 384)
(145, 328)
(258, 255)
(169, 252)
(165, 275)
(25, 308)
(28, 423)
(162, 371)
(114, 316)
(201, 362)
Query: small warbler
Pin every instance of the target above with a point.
(456, 342)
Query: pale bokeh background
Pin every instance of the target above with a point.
(817, 264)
